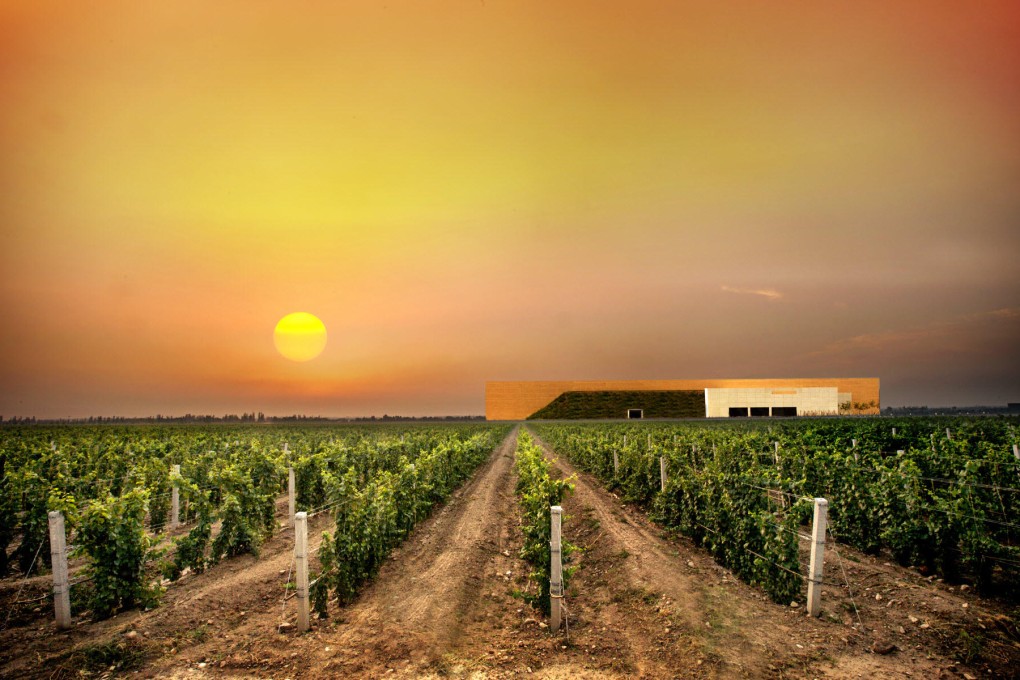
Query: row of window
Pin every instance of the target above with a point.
(762, 411)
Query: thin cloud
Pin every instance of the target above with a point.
(914, 337)
(767, 293)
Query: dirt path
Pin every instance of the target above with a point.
(733, 630)
(452, 602)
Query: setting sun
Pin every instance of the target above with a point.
(300, 336)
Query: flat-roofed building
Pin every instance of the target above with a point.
(718, 398)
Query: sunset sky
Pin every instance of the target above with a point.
(491, 190)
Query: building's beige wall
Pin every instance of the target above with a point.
(817, 401)
(519, 399)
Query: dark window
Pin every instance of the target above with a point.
(738, 411)
(759, 411)
(635, 413)
(784, 411)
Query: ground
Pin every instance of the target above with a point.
(451, 603)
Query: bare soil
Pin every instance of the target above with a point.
(451, 602)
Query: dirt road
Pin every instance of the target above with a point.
(452, 602)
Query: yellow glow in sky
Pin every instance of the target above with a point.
(502, 190)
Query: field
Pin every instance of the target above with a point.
(417, 535)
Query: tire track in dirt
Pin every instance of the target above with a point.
(452, 603)
(653, 570)
(732, 626)
(418, 606)
(426, 584)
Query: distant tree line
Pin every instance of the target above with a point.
(253, 417)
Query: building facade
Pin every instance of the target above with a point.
(518, 400)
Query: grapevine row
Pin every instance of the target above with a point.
(944, 502)
(113, 486)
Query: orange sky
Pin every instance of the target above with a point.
(472, 191)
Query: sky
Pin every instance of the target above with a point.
(467, 191)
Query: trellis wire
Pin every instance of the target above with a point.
(24, 581)
(846, 578)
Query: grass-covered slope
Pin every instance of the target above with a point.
(614, 404)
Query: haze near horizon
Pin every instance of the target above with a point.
(472, 191)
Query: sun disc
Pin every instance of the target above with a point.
(300, 336)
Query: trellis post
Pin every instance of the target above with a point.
(555, 569)
(58, 563)
(616, 461)
(1016, 451)
(301, 557)
(175, 498)
(814, 594)
(662, 472)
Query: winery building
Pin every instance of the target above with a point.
(597, 399)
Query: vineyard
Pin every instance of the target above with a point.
(684, 546)
(114, 489)
(945, 501)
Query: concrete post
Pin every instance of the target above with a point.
(662, 472)
(814, 595)
(291, 498)
(616, 462)
(175, 498)
(58, 563)
(301, 556)
(949, 435)
(894, 432)
(1016, 451)
(555, 569)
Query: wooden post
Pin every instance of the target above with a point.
(291, 498)
(555, 569)
(58, 563)
(301, 556)
(175, 498)
(662, 472)
(814, 592)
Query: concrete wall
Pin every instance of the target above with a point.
(815, 401)
(518, 400)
